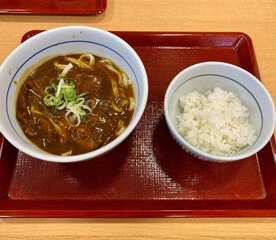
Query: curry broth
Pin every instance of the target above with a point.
(103, 91)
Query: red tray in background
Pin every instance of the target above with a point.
(148, 174)
(52, 7)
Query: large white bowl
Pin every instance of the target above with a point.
(208, 75)
(58, 41)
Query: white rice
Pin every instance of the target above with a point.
(215, 122)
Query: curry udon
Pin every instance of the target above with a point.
(75, 103)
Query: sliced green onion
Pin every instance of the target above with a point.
(63, 96)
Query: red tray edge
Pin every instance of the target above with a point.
(163, 33)
(221, 213)
(100, 9)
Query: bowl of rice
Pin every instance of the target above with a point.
(219, 112)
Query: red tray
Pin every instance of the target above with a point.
(52, 7)
(148, 174)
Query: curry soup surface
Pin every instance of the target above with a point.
(75, 103)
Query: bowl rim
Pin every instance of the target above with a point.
(43, 155)
(207, 156)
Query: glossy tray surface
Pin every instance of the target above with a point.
(148, 175)
(52, 7)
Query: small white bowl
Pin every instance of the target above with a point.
(208, 75)
(60, 41)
